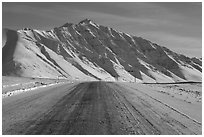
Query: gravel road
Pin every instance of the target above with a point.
(85, 108)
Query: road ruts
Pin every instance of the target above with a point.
(90, 108)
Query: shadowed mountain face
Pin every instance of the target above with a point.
(88, 51)
(8, 65)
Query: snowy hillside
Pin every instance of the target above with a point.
(88, 51)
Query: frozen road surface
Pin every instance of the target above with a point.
(92, 108)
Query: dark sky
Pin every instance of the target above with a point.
(177, 26)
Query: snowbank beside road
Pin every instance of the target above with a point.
(18, 91)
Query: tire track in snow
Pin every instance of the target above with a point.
(183, 114)
(144, 125)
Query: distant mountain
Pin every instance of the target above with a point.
(88, 51)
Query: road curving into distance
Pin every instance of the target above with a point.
(84, 109)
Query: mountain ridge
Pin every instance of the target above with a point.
(88, 51)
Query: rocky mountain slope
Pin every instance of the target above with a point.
(88, 51)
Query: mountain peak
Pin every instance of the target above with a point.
(85, 21)
(91, 52)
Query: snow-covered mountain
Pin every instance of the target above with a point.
(88, 51)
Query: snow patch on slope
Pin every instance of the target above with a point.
(95, 70)
(191, 74)
(146, 78)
